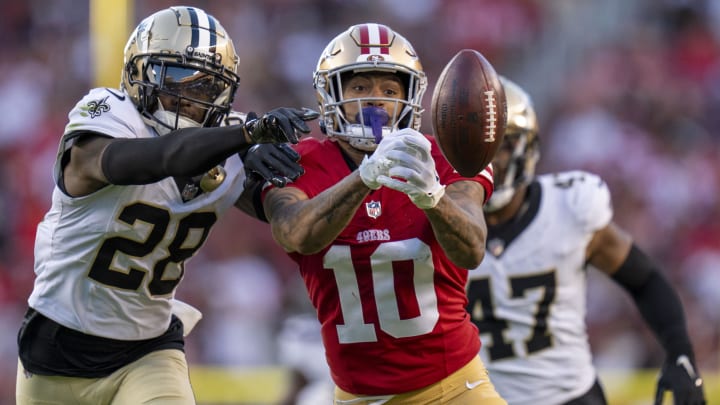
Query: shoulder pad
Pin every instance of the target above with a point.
(587, 198)
(106, 111)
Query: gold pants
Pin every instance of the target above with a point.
(469, 385)
(159, 378)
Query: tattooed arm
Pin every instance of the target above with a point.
(306, 226)
(459, 223)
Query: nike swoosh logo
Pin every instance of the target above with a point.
(471, 385)
(120, 97)
(684, 362)
(375, 400)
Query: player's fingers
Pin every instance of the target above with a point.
(394, 184)
(404, 173)
(288, 151)
(287, 168)
(417, 140)
(279, 181)
(264, 172)
(309, 114)
(283, 122)
(659, 393)
(401, 157)
(295, 118)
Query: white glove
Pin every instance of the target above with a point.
(413, 163)
(378, 164)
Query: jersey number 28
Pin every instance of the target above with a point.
(104, 271)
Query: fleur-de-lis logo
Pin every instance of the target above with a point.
(97, 107)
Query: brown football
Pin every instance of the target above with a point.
(469, 112)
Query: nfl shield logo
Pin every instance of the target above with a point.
(373, 209)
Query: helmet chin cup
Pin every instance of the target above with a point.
(366, 145)
(362, 137)
(499, 199)
(165, 122)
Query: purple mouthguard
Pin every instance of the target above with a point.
(375, 117)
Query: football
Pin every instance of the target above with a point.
(469, 112)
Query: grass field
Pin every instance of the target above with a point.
(269, 386)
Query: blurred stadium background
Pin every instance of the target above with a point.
(629, 89)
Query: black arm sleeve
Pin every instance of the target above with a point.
(257, 203)
(186, 152)
(656, 300)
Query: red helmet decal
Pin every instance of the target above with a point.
(375, 38)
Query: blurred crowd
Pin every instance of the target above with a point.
(627, 89)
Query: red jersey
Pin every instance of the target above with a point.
(390, 302)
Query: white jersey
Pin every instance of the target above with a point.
(528, 297)
(107, 264)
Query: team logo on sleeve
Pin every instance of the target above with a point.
(373, 209)
(95, 108)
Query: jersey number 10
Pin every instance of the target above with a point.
(355, 329)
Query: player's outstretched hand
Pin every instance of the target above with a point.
(279, 125)
(680, 377)
(412, 170)
(274, 162)
(378, 164)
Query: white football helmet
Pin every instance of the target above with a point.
(184, 57)
(514, 163)
(366, 48)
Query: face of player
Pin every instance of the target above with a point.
(184, 107)
(375, 87)
(200, 87)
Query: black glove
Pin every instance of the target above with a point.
(274, 162)
(279, 125)
(680, 377)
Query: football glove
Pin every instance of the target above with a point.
(276, 163)
(279, 125)
(377, 164)
(412, 170)
(679, 377)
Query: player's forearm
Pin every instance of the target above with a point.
(185, 152)
(657, 301)
(459, 224)
(308, 226)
